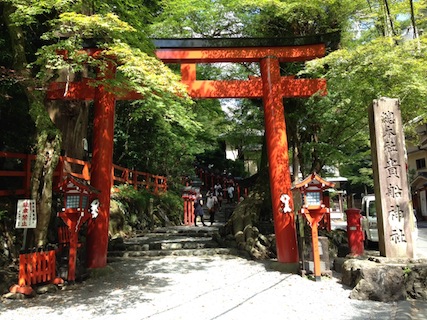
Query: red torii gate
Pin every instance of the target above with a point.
(271, 87)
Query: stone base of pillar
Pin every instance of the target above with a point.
(285, 267)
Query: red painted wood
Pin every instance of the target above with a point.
(81, 90)
(314, 217)
(103, 134)
(248, 54)
(277, 149)
(188, 72)
(201, 89)
(36, 268)
(252, 88)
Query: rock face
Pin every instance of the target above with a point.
(416, 282)
(386, 280)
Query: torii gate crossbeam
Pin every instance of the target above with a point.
(271, 87)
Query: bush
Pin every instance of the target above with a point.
(172, 204)
(138, 215)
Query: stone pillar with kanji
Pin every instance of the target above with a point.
(394, 207)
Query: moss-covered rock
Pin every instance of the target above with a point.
(243, 226)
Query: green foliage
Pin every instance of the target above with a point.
(136, 70)
(172, 204)
(197, 18)
(159, 86)
(3, 214)
(288, 18)
(41, 118)
(407, 271)
(377, 69)
(372, 21)
(88, 27)
(245, 129)
(357, 76)
(136, 205)
(27, 11)
(164, 103)
(69, 33)
(140, 198)
(152, 144)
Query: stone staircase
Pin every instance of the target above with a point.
(177, 241)
(167, 241)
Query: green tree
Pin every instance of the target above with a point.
(198, 19)
(67, 30)
(357, 76)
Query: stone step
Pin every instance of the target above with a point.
(172, 233)
(169, 244)
(117, 255)
(189, 229)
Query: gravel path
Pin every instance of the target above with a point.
(202, 288)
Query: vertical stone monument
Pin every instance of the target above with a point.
(393, 204)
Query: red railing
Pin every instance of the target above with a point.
(138, 179)
(15, 174)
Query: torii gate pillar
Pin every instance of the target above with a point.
(277, 148)
(103, 134)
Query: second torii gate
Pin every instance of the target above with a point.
(271, 87)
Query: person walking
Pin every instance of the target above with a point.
(218, 194)
(198, 209)
(211, 204)
(230, 191)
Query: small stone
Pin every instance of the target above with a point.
(48, 288)
(14, 296)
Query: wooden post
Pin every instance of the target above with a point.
(27, 187)
(72, 256)
(277, 148)
(103, 132)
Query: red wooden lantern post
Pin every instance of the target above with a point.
(77, 198)
(314, 210)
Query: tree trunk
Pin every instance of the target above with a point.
(48, 137)
(42, 181)
(71, 118)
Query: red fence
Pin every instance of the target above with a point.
(15, 174)
(37, 267)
